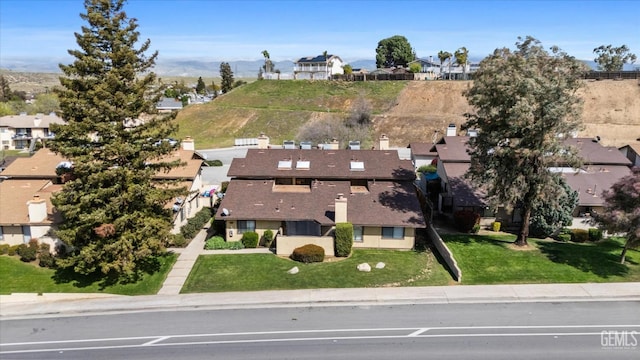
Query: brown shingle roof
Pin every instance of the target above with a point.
(386, 203)
(464, 193)
(323, 164)
(16, 193)
(453, 149)
(30, 121)
(594, 153)
(42, 165)
(592, 183)
(422, 149)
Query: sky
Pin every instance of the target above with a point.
(222, 30)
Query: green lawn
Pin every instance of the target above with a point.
(494, 260)
(252, 272)
(16, 276)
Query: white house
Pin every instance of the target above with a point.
(18, 132)
(317, 67)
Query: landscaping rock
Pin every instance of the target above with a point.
(380, 265)
(294, 270)
(364, 267)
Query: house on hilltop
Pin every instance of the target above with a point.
(301, 194)
(317, 67)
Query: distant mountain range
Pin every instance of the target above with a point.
(194, 68)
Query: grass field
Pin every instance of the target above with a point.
(278, 108)
(16, 276)
(252, 272)
(493, 259)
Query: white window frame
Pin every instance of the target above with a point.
(397, 233)
(358, 232)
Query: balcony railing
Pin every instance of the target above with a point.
(21, 136)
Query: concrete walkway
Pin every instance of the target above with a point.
(181, 269)
(32, 305)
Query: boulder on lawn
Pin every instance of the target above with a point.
(364, 267)
(380, 265)
(294, 270)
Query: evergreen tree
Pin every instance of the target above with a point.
(548, 218)
(227, 77)
(5, 90)
(394, 51)
(525, 102)
(115, 219)
(200, 86)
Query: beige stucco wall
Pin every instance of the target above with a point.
(261, 226)
(372, 238)
(12, 235)
(286, 244)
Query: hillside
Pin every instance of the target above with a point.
(405, 111)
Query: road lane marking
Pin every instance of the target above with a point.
(163, 338)
(418, 332)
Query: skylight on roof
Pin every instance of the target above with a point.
(303, 164)
(356, 166)
(284, 165)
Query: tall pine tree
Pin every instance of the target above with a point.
(114, 217)
(227, 77)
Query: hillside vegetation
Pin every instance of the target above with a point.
(407, 111)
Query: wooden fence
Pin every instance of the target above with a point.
(612, 75)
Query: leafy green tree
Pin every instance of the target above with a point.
(394, 51)
(622, 210)
(46, 103)
(462, 58)
(114, 217)
(348, 70)
(611, 58)
(5, 90)
(200, 86)
(214, 89)
(545, 219)
(5, 109)
(414, 68)
(227, 77)
(524, 103)
(443, 56)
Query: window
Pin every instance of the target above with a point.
(357, 233)
(246, 225)
(26, 233)
(393, 233)
(1, 234)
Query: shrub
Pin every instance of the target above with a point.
(218, 243)
(579, 235)
(495, 226)
(4, 249)
(214, 162)
(267, 238)
(476, 229)
(308, 253)
(33, 243)
(177, 240)
(13, 249)
(195, 224)
(465, 220)
(344, 239)
(47, 260)
(595, 234)
(564, 237)
(223, 186)
(427, 169)
(250, 239)
(26, 253)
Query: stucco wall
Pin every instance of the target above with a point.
(286, 244)
(372, 238)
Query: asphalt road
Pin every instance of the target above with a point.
(562, 330)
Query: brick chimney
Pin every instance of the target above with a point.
(334, 144)
(37, 209)
(384, 142)
(263, 141)
(188, 144)
(340, 209)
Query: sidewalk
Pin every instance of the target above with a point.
(181, 269)
(21, 305)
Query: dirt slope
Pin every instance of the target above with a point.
(611, 110)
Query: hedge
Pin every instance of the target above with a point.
(250, 239)
(195, 224)
(466, 220)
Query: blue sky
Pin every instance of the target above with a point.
(242, 29)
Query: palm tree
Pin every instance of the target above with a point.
(443, 56)
(267, 61)
(462, 56)
(326, 65)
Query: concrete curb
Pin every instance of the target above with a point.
(31, 305)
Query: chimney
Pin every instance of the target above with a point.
(188, 144)
(340, 209)
(384, 142)
(451, 130)
(263, 141)
(37, 120)
(37, 209)
(334, 144)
